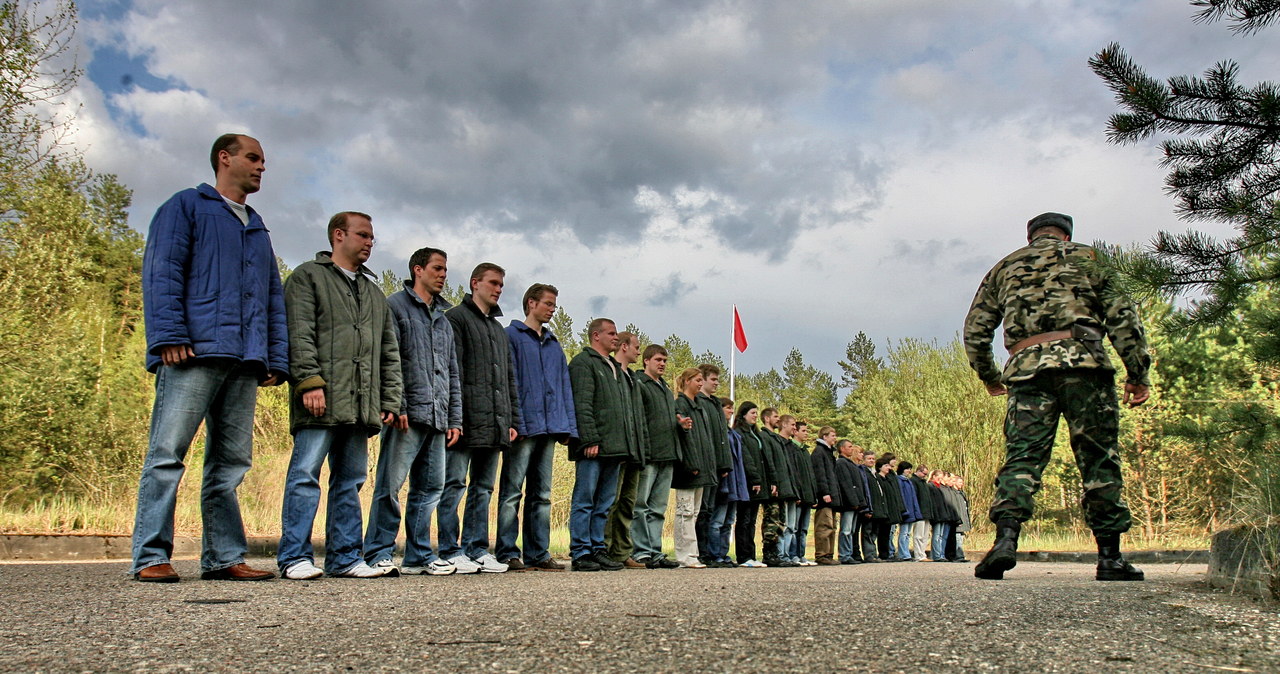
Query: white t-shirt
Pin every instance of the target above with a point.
(240, 210)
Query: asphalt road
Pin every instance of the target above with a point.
(882, 617)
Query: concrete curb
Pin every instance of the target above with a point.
(1245, 559)
(71, 547)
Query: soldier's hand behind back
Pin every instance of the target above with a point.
(996, 389)
(1136, 394)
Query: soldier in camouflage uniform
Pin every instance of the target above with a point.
(1056, 306)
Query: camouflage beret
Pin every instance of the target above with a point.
(1058, 220)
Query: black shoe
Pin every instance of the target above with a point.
(1003, 555)
(786, 564)
(606, 563)
(585, 563)
(772, 562)
(663, 563)
(1111, 565)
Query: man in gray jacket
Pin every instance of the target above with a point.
(344, 370)
(430, 419)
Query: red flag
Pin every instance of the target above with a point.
(739, 336)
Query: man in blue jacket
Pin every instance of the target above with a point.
(216, 331)
(429, 419)
(546, 417)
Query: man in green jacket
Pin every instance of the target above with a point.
(345, 381)
(710, 405)
(664, 450)
(607, 436)
(617, 533)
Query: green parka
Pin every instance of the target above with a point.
(342, 338)
(778, 464)
(699, 453)
(660, 419)
(602, 405)
(753, 462)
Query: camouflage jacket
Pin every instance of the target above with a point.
(1047, 286)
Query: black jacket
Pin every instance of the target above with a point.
(699, 450)
(753, 463)
(823, 460)
(852, 494)
(662, 429)
(892, 497)
(778, 465)
(490, 402)
(925, 496)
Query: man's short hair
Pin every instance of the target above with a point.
(342, 220)
(227, 141)
(785, 418)
(824, 430)
(625, 337)
(709, 369)
(653, 350)
(842, 443)
(596, 323)
(768, 412)
(478, 272)
(801, 424)
(535, 293)
(422, 256)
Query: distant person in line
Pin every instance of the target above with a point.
(546, 417)
(490, 417)
(665, 450)
(823, 462)
(606, 437)
(733, 490)
(345, 381)
(430, 418)
(216, 331)
(783, 490)
(854, 499)
(696, 472)
(1057, 305)
(617, 532)
(759, 487)
(803, 467)
(718, 435)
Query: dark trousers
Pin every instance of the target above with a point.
(744, 532)
(949, 551)
(864, 538)
(702, 526)
(882, 538)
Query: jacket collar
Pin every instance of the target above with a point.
(325, 257)
(546, 336)
(439, 303)
(470, 303)
(210, 192)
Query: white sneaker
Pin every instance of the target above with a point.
(438, 567)
(362, 570)
(490, 564)
(807, 562)
(463, 564)
(303, 570)
(693, 565)
(753, 564)
(388, 567)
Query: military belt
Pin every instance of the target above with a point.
(1040, 339)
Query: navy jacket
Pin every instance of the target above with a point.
(910, 502)
(211, 283)
(428, 360)
(734, 485)
(542, 380)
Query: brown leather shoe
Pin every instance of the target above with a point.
(240, 571)
(547, 564)
(160, 573)
(827, 561)
(631, 563)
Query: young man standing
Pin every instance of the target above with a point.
(808, 496)
(823, 462)
(490, 415)
(710, 405)
(783, 489)
(654, 489)
(430, 419)
(344, 363)
(617, 533)
(546, 417)
(607, 436)
(216, 331)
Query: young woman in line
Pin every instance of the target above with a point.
(695, 472)
(759, 487)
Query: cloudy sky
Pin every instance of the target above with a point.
(830, 167)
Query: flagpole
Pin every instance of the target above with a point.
(733, 348)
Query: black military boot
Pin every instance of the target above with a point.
(1003, 555)
(1111, 566)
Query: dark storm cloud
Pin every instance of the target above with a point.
(668, 291)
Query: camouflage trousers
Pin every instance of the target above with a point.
(1087, 399)
(771, 528)
(617, 531)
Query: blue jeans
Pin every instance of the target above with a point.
(651, 507)
(418, 455)
(938, 546)
(526, 466)
(720, 527)
(483, 467)
(223, 394)
(846, 537)
(893, 540)
(904, 541)
(801, 541)
(790, 515)
(348, 454)
(595, 486)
